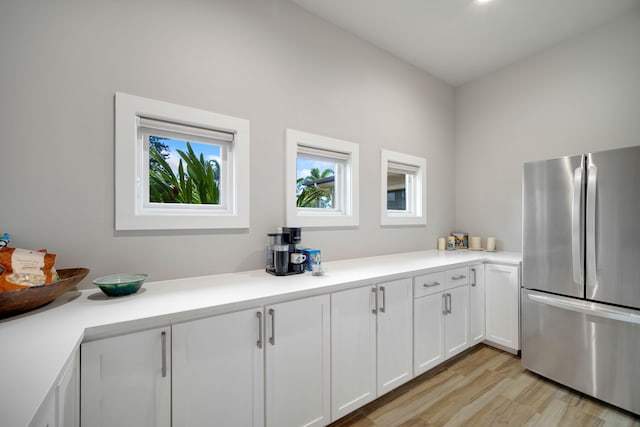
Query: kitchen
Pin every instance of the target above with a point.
(281, 67)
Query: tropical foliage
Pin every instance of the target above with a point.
(310, 195)
(196, 182)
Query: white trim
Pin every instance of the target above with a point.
(346, 213)
(416, 167)
(130, 210)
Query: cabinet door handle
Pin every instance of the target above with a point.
(473, 283)
(431, 285)
(444, 304)
(163, 336)
(272, 338)
(259, 317)
(384, 302)
(458, 277)
(449, 299)
(375, 301)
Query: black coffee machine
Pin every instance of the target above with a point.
(283, 257)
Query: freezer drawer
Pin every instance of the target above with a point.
(593, 348)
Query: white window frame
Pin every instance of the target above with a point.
(346, 210)
(416, 190)
(133, 210)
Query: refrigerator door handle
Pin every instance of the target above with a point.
(592, 180)
(588, 308)
(576, 227)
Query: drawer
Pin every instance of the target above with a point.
(428, 284)
(456, 277)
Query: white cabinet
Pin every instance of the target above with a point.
(502, 305)
(428, 338)
(371, 343)
(395, 338)
(476, 304)
(68, 395)
(456, 321)
(61, 408)
(218, 370)
(126, 380)
(46, 415)
(298, 362)
(441, 317)
(353, 349)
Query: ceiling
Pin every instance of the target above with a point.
(461, 40)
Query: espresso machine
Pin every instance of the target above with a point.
(283, 256)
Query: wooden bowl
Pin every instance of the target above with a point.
(21, 300)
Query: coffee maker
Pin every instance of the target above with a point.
(283, 256)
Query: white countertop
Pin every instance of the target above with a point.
(36, 346)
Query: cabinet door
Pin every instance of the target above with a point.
(353, 350)
(428, 330)
(298, 362)
(217, 371)
(68, 395)
(502, 283)
(395, 334)
(126, 380)
(456, 338)
(46, 415)
(476, 304)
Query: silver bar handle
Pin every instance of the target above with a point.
(374, 310)
(449, 299)
(576, 227)
(592, 181)
(384, 302)
(259, 317)
(431, 285)
(163, 336)
(458, 277)
(588, 308)
(444, 304)
(473, 283)
(272, 338)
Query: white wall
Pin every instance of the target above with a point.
(264, 60)
(581, 96)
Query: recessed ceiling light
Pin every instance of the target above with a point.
(482, 1)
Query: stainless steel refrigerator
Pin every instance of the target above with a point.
(580, 306)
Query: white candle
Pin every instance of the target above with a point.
(475, 242)
(491, 244)
(441, 244)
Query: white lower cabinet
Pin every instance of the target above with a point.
(371, 343)
(298, 375)
(353, 350)
(68, 395)
(502, 304)
(395, 338)
(126, 380)
(476, 304)
(456, 321)
(441, 317)
(218, 370)
(46, 415)
(428, 333)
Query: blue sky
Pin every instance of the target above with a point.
(210, 151)
(304, 166)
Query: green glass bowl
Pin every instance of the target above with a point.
(117, 285)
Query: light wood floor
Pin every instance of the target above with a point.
(485, 387)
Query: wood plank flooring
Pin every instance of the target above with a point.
(485, 387)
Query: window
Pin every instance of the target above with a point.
(178, 167)
(321, 181)
(403, 183)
